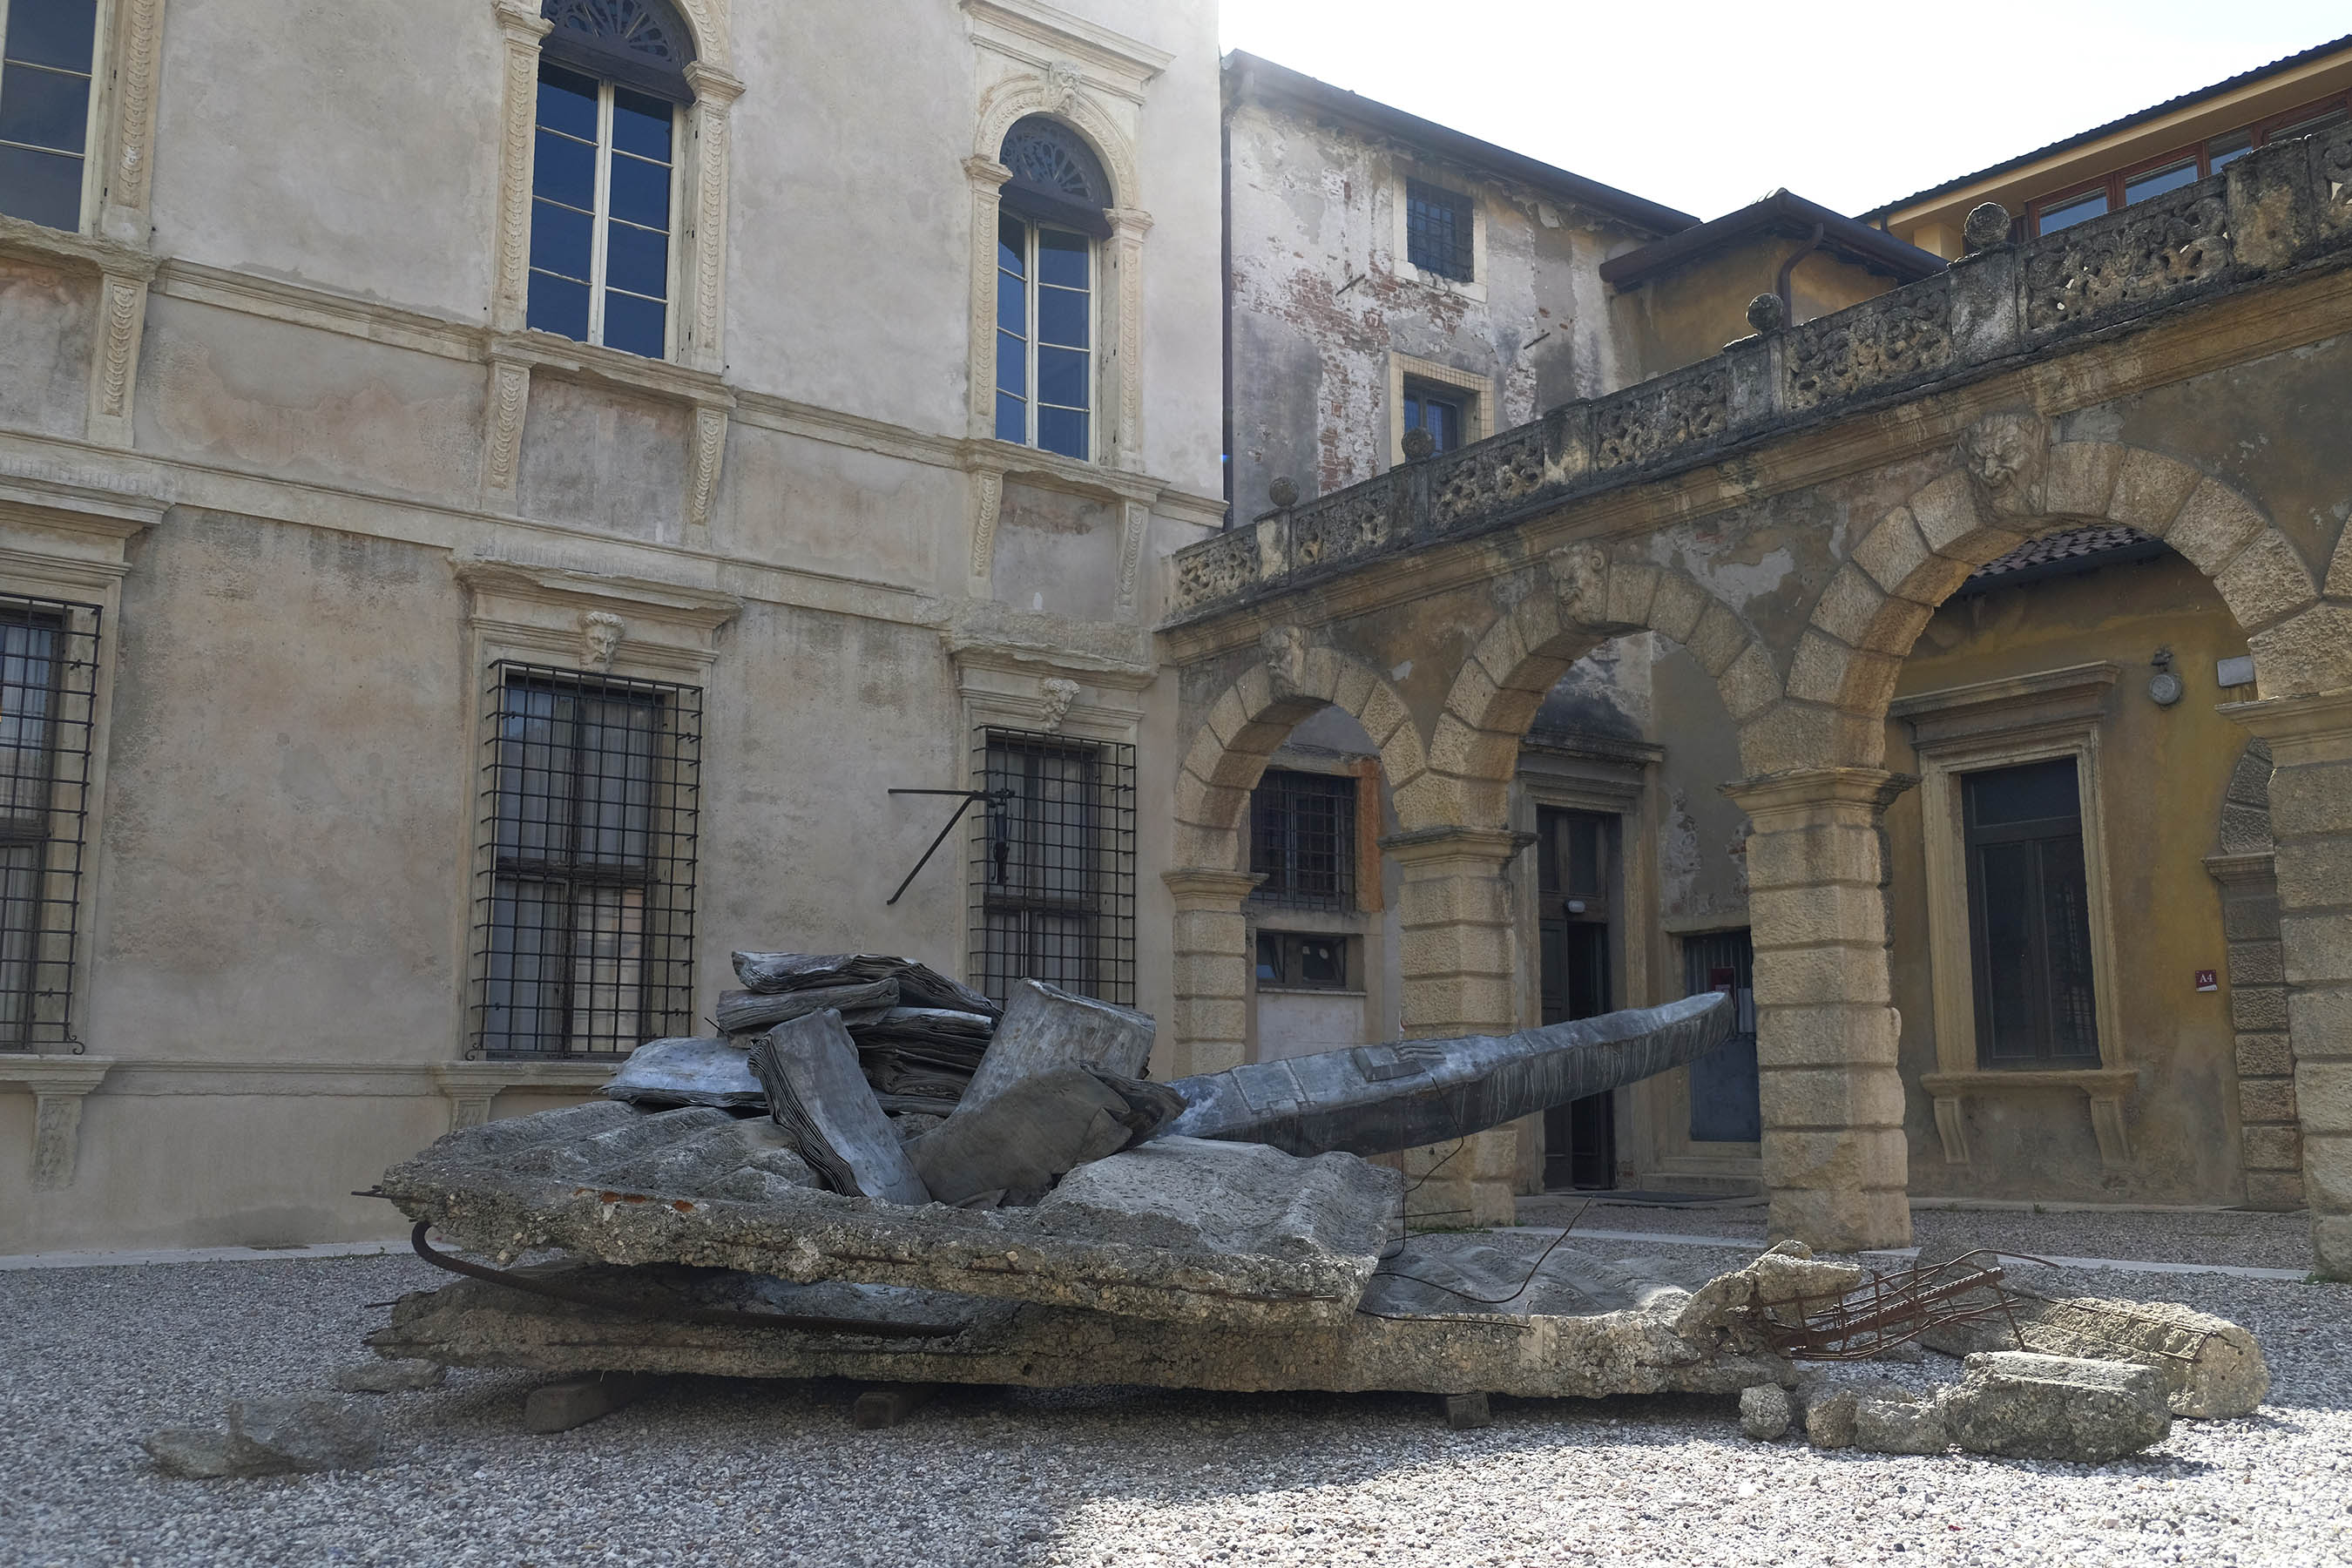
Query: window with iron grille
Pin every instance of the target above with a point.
(1303, 839)
(585, 926)
(2029, 912)
(1438, 230)
(1054, 872)
(49, 686)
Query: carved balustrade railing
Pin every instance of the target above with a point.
(2275, 210)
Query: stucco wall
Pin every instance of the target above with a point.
(1687, 314)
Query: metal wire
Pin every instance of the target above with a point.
(1052, 868)
(584, 928)
(48, 694)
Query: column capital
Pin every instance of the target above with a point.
(712, 86)
(521, 20)
(2299, 729)
(986, 173)
(1201, 887)
(1802, 790)
(1482, 849)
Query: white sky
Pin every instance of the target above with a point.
(1706, 105)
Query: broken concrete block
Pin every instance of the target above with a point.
(1898, 1423)
(391, 1377)
(1764, 1411)
(190, 1453)
(576, 1400)
(816, 1092)
(1045, 1027)
(1830, 1420)
(2211, 1367)
(698, 1071)
(2031, 1406)
(1190, 1195)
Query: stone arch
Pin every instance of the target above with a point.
(1587, 599)
(1058, 97)
(2011, 485)
(707, 20)
(1249, 718)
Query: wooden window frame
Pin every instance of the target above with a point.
(2199, 152)
(1976, 839)
(96, 112)
(1031, 228)
(601, 219)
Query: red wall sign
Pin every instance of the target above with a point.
(2208, 980)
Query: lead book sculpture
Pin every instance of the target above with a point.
(880, 1174)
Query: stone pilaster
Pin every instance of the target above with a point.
(2311, 829)
(1835, 1162)
(1210, 1016)
(1456, 977)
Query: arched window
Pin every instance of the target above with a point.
(1050, 215)
(48, 53)
(611, 78)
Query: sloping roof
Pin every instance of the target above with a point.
(1247, 76)
(2154, 111)
(1783, 212)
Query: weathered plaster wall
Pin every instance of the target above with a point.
(1321, 297)
(46, 321)
(2164, 770)
(1681, 317)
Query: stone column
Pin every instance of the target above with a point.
(2311, 829)
(1834, 1158)
(1210, 1021)
(1453, 910)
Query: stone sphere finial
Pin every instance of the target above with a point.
(1418, 444)
(1283, 492)
(1767, 314)
(1986, 226)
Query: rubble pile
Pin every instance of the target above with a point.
(780, 1202)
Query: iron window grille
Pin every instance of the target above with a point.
(48, 700)
(1052, 873)
(1302, 840)
(1439, 230)
(584, 928)
(2029, 914)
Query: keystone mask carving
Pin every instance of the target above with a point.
(1059, 692)
(1061, 83)
(2003, 454)
(1285, 649)
(601, 632)
(1581, 573)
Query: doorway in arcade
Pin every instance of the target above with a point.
(1575, 880)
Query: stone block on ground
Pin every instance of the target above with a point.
(1468, 1411)
(2029, 1406)
(1764, 1411)
(575, 1401)
(2211, 1367)
(1830, 1420)
(391, 1377)
(878, 1409)
(1898, 1423)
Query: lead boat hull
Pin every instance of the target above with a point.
(1374, 1099)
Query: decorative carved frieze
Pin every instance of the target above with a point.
(523, 27)
(1342, 525)
(2158, 247)
(1136, 520)
(1491, 474)
(714, 92)
(1880, 342)
(1656, 416)
(510, 401)
(122, 316)
(1217, 568)
(703, 467)
(987, 503)
(139, 41)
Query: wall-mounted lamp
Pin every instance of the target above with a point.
(2164, 688)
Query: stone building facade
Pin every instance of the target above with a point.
(495, 492)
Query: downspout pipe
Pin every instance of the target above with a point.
(1788, 271)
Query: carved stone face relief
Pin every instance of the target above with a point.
(1059, 692)
(2003, 454)
(601, 632)
(1285, 649)
(1581, 572)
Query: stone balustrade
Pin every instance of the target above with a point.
(2275, 211)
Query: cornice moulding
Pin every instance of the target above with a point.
(704, 609)
(1087, 43)
(21, 240)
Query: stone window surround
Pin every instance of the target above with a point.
(1093, 80)
(1475, 287)
(554, 616)
(1481, 388)
(61, 540)
(2001, 724)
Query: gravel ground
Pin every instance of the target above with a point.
(2236, 1236)
(721, 1472)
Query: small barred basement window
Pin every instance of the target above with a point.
(1054, 875)
(1439, 230)
(585, 925)
(48, 685)
(1303, 839)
